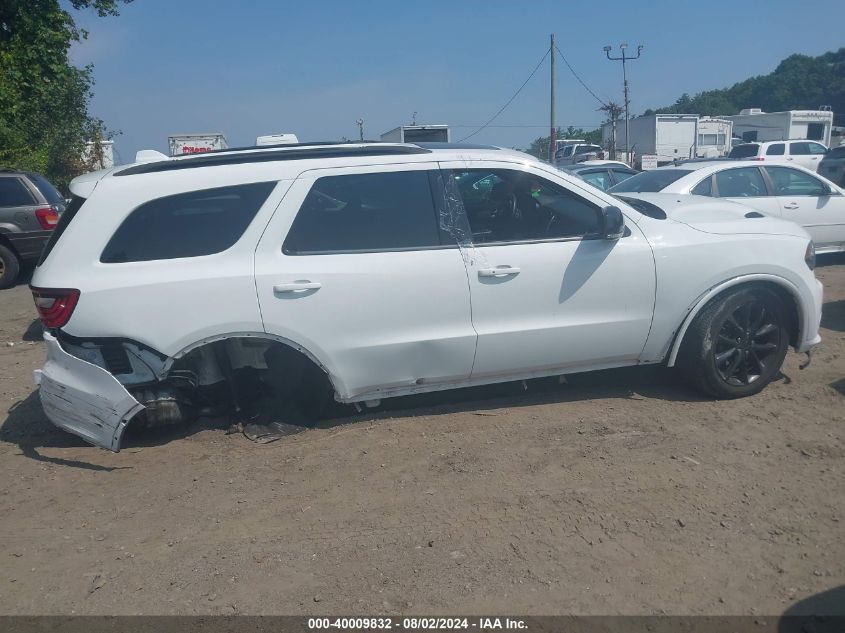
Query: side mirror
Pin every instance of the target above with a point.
(613, 223)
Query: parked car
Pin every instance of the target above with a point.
(832, 165)
(376, 270)
(577, 153)
(29, 210)
(792, 193)
(602, 173)
(806, 154)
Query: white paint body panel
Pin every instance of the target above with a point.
(378, 320)
(392, 323)
(572, 304)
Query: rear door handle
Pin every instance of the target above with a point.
(500, 271)
(297, 285)
(791, 205)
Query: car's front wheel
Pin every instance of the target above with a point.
(736, 344)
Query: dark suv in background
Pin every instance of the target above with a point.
(832, 166)
(29, 210)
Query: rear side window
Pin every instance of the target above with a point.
(744, 151)
(650, 181)
(704, 188)
(837, 152)
(47, 190)
(365, 212)
(799, 149)
(13, 193)
(187, 224)
(745, 182)
(778, 149)
(64, 219)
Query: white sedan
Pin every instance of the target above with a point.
(792, 193)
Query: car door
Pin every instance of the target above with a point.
(745, 185)
(547, 293)
(807, 200)
(353, 268)
(806, 154)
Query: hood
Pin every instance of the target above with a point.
(712, 215)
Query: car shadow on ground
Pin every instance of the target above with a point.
(28, 427)
(820, 613)
(830, 259)
(833, 315)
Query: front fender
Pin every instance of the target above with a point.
(807, 310)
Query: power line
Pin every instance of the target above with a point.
(509, 101)
(581, 81)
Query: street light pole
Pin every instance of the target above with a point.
(623, 47)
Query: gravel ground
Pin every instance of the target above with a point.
(619, 492)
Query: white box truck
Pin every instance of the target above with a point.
(195, 143)
(418, 134)
(752, 124)
(667, 136)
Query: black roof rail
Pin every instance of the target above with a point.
(259, 155)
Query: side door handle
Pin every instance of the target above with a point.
(499, 271)
(791, 205)
(297, 286)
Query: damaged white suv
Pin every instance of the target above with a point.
(363, 271)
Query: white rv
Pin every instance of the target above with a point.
(753, 125)
(714, 138)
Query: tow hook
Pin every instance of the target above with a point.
(809, 360)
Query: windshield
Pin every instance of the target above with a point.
(744, 151)
(650, 181)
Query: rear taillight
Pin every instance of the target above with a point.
(47, 217)
(55, 305)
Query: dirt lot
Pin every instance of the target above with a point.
(619, 492)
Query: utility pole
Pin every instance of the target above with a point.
(552, 128)
(360, 124)
(623, 47)
(613, 110)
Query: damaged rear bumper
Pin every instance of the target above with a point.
(84, 399)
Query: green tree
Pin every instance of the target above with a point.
(799, 82)
(44, 118)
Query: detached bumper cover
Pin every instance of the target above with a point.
(84, 399)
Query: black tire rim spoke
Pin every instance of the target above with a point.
(747, 339)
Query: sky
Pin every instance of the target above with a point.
(314, 67)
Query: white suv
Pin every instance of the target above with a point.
(365, 271)
(806, 154)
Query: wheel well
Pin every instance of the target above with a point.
(8, 244)
(279, 364)
(788, 299)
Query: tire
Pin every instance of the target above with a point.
(736, 344)
(10, 267)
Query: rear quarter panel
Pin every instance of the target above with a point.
(165, 304)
